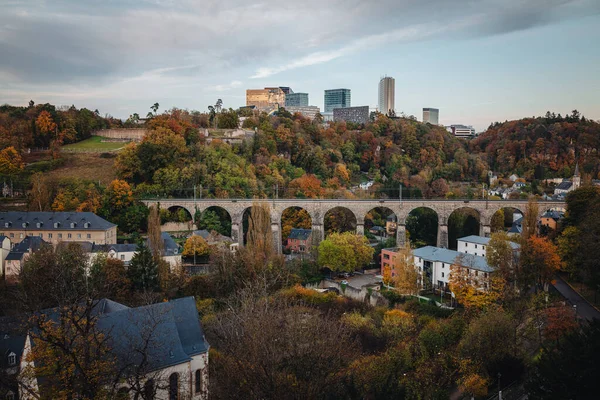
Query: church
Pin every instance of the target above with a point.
(568, 186)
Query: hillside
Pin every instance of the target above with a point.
(542, 147)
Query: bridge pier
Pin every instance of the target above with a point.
(317, 234)
(276, 231)
(400, 235)
(360, 229)
(485, 230)
(442, 236)
(236, 233)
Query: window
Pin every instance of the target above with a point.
(20, 235)
(149, 390)
(49, 236)
(466, 244)
(60, 235)
(12, 359)
(12, 235)
(89, 236)
(482, 247)
(198, 381)
(174, 386)
(475, 246)
(41, 235)
(476, 273)
(79, 236)
(442, 274)
(122, 256)
(68, 236)
(443, 266)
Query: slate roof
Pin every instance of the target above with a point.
(32, 243)
(391, 218)
(565, 185)
(169, 245)
(300, 234)
(47, 220)
(485, 240)
(556, 215)
(172, 331)
(10, 343)
(14, 255)
(431, 253)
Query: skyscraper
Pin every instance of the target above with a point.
(431, 115)
(296, 100)
(337, 98)
(387, 90)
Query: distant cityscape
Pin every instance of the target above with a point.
(338, 106)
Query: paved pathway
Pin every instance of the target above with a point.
(584, 309)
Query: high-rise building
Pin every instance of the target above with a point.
(337, 98)
(296, 100)
(358, 115)
(308, 111)
(387, 90)
(431, 115)
(266, 99)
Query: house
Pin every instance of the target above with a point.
(214, 238)
(517, 226)
(476, 245)
(567, 186)
(377, 230)
(366, 185)
(4, 248)
(513, 177)
(518, 185)
(170, 252)
(165, 339)
(123, 252)
(388, 260)
(391, 224)
(55, 227)
(551, 218)
(299, 240)
(16, 258)
(434, 265)
(11, 349)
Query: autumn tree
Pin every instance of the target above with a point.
(155, 241)
(530, 219)
(260, 236)
(539, 263)
(109, 278)
(294, 217)
(307, 186)
(195, 246)
(501, 256)
(41, 192)
(345, 252)
(11, 162)
(471, 287)
(407, 276)
(497, 224)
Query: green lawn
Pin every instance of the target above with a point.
(94, 143)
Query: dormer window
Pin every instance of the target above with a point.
(39, 224)
(7, 224)
(24, 224)
(12, 359)
(86, 225)
(73, 224)
(56, 224)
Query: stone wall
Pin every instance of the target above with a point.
(133, 134)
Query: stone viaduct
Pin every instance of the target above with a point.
(317, 208)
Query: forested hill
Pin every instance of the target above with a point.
(542, 147)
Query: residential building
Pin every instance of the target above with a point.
(476, 245)
(11, 350)
(16, 258)
(387, 92)
(388, 260)
(170, 251)
(431, 116)
(517, 226)
(55, 227)
(551, 218)
(357, 115)
(296, 100)
(123, 252)
(434, 265)
(568, 186)
(5, 246)
(461, 131)
(266, 99)
(165, 339)
(215, 239)
(299, 240)
(337, 98)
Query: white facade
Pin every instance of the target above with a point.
(431, 116)
(461, 131)
(4, 249)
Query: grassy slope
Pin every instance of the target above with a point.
(95, 143)
(86, 166)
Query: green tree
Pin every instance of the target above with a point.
(143, 270)
(345, 252)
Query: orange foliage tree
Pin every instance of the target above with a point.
(307, 186)
(11, 162)
(539, 262)
(472, 288)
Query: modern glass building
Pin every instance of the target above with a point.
(337, 98)
(431, 115)
(296, 100)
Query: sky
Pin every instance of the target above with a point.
(477, 61)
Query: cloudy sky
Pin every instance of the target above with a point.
(478, 61)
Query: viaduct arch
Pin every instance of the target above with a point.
(317, 208)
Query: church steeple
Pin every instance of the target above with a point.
(576, 178)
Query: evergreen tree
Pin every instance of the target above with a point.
(143, 270)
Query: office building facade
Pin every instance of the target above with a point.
(296, 100)
(308, 112)
(358, 115)
(431, 116)
(461, 131)
(387, 88)
(337, 98)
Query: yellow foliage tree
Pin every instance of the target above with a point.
(471, 287)
(119, 195)
(11, 162)
(406, 275)
(195, 245)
